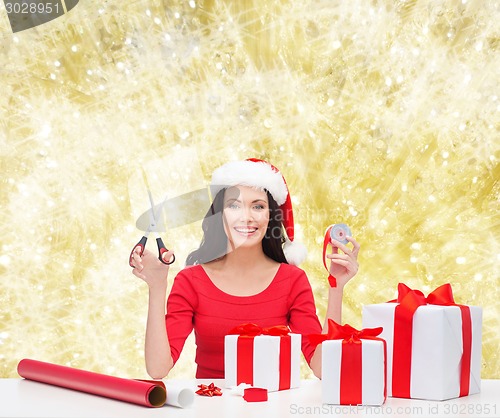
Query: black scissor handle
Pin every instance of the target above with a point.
(162, 250)
(141, 244)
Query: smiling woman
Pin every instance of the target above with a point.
(246, 217)
(241, 216)
(245, 271)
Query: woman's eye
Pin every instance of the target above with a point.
(259, 207)
(233, 206)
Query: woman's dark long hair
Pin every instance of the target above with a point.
(214, 242)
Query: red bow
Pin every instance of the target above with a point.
(409, 300)
(253, 330)
(208, 390)
(343, 332)
(442, 295)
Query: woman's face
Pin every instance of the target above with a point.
(246, 216)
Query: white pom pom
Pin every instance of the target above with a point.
(295, 252)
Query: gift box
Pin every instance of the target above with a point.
(266, 358)
(353, 369)
(433, 344)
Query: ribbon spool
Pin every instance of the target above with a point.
(339, 232)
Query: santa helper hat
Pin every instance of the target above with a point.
(262, 175)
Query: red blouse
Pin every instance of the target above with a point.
(196, 303)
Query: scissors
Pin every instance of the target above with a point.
(153, 227)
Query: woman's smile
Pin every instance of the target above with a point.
(245, 230)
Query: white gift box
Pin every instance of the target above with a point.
(372, 377)
(436, 348)
(266, 361)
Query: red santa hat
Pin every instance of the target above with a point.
(262, 175)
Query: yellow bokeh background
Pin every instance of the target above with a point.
(381, 114)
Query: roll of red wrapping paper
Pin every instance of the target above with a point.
(147, 393)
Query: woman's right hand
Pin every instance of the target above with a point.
(148, 268)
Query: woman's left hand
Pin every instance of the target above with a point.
(344, 266)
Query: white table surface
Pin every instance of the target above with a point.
(24, 398)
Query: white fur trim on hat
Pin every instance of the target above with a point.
(253, 174)
(295, 252)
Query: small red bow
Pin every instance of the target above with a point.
(209, 390)
(253, 330)
(343, 332)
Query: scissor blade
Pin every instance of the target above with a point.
(152, 213)
(151, 201)
(178, 211)
(157, 211)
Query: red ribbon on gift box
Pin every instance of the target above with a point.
(409, 300)
(352, 359)
(244, 368)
